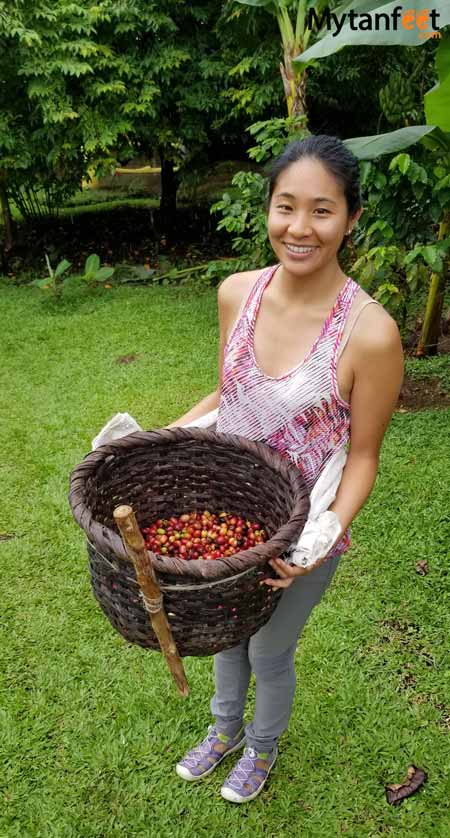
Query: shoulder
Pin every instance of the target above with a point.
(376, 336)
(235, 285)
(231, 293)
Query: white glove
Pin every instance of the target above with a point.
(121, 424)
(323, 527)
(206, 421)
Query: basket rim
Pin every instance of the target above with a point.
(195, 568)
(210, 583)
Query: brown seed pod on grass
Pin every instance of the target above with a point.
(396, 792)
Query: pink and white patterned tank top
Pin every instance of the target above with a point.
(300, 413)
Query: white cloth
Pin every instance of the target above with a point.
(120, 425)
(323, 527)
(123, 424)
(206, 421)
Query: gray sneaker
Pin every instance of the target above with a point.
(203, 759)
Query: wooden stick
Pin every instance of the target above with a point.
(135, 547)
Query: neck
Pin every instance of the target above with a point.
(310, 289)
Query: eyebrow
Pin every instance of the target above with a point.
(319, 200)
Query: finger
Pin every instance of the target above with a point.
(290, 571)
(284, 569)
(278, 583)
(277, 565)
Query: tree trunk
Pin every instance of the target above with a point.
(299, 100)
(170, 182)
(6, 212)
(428, 341)
(294, 85)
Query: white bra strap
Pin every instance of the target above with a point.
(344, 341)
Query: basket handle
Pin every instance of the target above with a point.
(135, 548)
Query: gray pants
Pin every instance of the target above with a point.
(269, 654)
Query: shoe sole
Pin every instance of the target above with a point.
(185, 774)
(234, 797)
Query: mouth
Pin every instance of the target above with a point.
(300, 250)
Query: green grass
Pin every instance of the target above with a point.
(101, 195)
(91, 727)
(106, 205)
(438, 366)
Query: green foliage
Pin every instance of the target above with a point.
(437, 100)
(93, 274)
(398, 99)
(404, 198)
(54, 122)
(271, 136)
(343, 91)
(55, 279)
(384, 272)
(247, 57)
(245, 218)
(126, 273)
(86, 85)
(400, 192)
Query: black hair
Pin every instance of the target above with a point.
(334, 156)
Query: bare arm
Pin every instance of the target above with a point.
(226, 305)
(378, 378)
(210, 402)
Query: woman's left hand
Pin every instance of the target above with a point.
(287, 572)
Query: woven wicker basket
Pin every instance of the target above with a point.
(211, 605)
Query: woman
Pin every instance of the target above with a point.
(308, 363)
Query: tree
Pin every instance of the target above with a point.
(295, 38)
(58, 103)
(193, 65)
(87, 86)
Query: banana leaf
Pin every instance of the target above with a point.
(367, 148)
(437, 100)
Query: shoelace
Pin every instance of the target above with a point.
(241, 772)
(203, 750)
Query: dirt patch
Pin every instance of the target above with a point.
(421, 393)
(445, 718)
(127, 359)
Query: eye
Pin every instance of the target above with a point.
(322, 211)
(283, 207)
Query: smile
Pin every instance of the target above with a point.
(296, 248)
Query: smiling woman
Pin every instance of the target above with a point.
(311, 365)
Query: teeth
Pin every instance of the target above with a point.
(298, 249)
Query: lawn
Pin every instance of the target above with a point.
(92, 727)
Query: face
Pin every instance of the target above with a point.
(308, 217)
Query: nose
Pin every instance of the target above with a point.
(299, 225)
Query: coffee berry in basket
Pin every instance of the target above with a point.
(202, 535)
